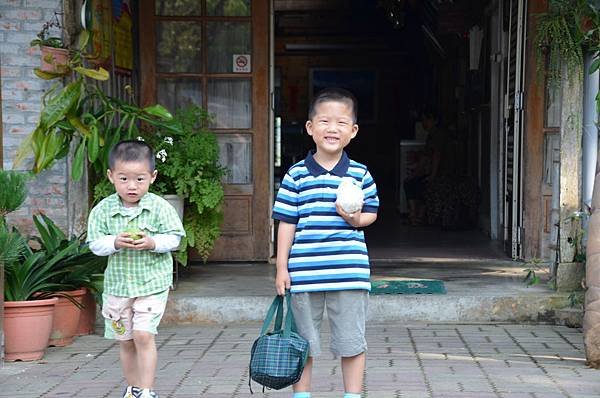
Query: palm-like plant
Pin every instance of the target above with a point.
(11, 246)
(59, 265)
(12, 196)
(13, 192)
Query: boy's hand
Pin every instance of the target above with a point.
(123, 241)
(351, 218)
(144, 243)
(282, 281)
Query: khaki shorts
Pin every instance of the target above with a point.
(123, 315)
(347, 313)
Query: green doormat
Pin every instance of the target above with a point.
(409, 286)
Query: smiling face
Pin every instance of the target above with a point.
(132, 180)
(332, 127)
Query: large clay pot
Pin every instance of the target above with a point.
(27, 327)
(66, 319)
(87, 318)
(54, 60)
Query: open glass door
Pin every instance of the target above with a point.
(513, 127)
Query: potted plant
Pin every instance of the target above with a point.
(76, 271)
(188, 166)
(27, 319)
(80, 120)
(54, 54)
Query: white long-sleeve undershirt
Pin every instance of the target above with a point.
(105, 246)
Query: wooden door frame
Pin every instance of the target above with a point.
(259, 228)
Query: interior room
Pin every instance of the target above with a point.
(400, 59)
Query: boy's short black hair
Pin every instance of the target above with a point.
(334, 94)
(131, 151)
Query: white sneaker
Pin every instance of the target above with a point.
(147, 393)
(131, 392)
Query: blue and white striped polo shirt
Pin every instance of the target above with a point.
(327, 253)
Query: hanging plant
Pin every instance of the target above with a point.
(560, 38)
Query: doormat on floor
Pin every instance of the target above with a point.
(409, 286)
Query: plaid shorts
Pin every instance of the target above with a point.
(347, 313)
(123, 315)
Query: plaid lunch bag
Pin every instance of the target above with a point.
(278, 357)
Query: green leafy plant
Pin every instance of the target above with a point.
(44, 38)
(12, 196)
(188, 165)
(75, 57)
(13, 192)
(59, 264)
(577, 239)
(576, 300)
(560, 37)
(84, 267)
(534, 267)
(81, 116)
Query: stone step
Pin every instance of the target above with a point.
(183, 309)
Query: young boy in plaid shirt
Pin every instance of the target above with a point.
(137, 230)
(321, 251)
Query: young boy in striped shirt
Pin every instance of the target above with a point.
(137, 230)
(321, 252)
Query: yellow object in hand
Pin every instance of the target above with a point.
(134, 233)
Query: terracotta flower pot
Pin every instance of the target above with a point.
(27, 327)
(54, 59)
(87, 319)
(66, 319)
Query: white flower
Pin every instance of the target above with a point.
(169, 140)
(139, 138)
(162, 155)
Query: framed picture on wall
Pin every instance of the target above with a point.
(360, 82)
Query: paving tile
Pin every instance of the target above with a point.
(405, 361)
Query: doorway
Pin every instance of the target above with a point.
(399, 58)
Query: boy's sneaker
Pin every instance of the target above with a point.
(131, 392)
(146, 393)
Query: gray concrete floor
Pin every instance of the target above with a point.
(482, 283)
(409, 360)
(482, 277)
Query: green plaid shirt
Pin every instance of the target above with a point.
(135, 273)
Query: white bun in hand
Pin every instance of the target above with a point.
(349, 195)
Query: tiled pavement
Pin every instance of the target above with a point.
(406, 361)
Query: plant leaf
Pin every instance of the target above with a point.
(94, 144)
(79, 126)
(100, 74)
(60, 105)
(158, 111)
(595, 65)
(78, 160)
(47, 75)
(83, 39)
(24, 150)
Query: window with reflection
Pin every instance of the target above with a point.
(178, 47)
(230, 100)
(178, 7)
(235, 153)
(178, 93)
(228, 8)
(224, 39)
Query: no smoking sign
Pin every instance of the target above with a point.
(241, 63)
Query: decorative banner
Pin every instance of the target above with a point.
(101, 30)
(242, 63)
(123, 24)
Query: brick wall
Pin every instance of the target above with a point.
(20, 21)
